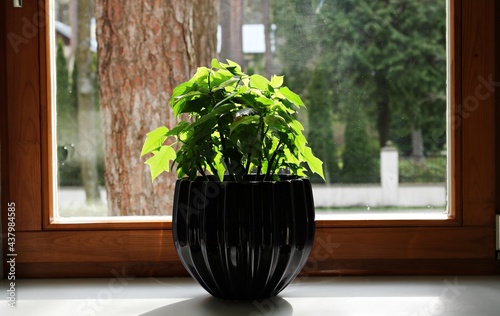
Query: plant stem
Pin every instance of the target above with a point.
(200, 169)
(261, 127)
(212, 168)
(271, 161)
(225, 99)
(247, 167)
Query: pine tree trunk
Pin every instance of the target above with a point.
(237, 31)
(206, 20)
(231, 30)
(87, 136)
(146, 48)
(417, 143)
(225, 25)
(268, 54)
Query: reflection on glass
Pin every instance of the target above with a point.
(372, 74)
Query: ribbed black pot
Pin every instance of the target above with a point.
(243, 240)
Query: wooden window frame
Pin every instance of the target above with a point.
(462, 244)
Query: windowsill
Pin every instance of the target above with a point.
(383, 295)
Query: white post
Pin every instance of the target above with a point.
(389, 174)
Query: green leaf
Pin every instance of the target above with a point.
(178, 99)
(264, 101)
(226, 83)
(245, 120)
(154, 140)
(181, 89)
(300, 142)
(285, 106)
(260, 82)
(291, 96)
(161, 161)
(200, 75)
(195, 105)
(314, 163)
(187, 95)
(178, 129)
(276, 122)
(234, 67)
(220, 76)
(214, 114)
(277, 81)
(216, 65)
(291, 158)
(219, 166)
(296, 126)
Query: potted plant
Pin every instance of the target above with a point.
(243, 214)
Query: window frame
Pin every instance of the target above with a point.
(462, 244)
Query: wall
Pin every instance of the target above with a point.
(388, 193)
(406, 195)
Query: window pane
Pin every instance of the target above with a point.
(79, 135)
(373, 77)
(372, 74)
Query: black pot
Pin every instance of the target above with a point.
(243, 240)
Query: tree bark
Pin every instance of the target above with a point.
(237, 31)
(225, 25)
(206, 20)
(87, 136)
(417, 144)
(231, 30)
(146, 48)
(268, 54)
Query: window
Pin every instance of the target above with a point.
(356, 107)
(463, 243)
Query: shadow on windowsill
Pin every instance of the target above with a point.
(211, 306)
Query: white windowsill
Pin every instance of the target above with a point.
(384, 295)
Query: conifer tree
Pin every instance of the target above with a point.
(320, 114)
(359, 157)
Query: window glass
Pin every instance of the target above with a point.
(371, 73)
